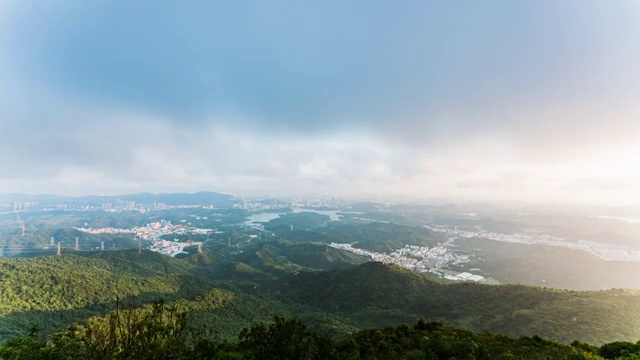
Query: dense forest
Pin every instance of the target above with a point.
(161, 331)
(329, 289)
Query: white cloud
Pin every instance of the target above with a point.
(551, 135)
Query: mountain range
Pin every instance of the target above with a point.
(198, 198)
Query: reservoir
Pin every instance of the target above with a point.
(266, 217)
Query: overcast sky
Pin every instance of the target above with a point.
(504, 100)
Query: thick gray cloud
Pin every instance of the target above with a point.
(434, 99)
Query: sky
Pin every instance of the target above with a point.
(464, 100)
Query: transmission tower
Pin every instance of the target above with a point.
(77, 248)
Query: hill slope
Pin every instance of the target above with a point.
(290, 280)
(374, 294)
(163, 332)
(52, 291)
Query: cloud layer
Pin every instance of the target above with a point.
(491, 100)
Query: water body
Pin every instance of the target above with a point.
(261, 217)
(333, 215)
(256, 218)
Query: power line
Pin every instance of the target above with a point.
(43, 248)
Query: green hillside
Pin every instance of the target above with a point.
(381, 236)
(321, 256)
(52, 291)
(374, 294)
(313, 282)
(284, 256)
(374, 236)
(160, 331)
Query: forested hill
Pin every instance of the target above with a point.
(53, 291)
(163, 332)
(378, 294)
(312, 282)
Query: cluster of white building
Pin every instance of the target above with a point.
(153, 231)
(107, 230)
(259, 206)
(172, 248)
(464, 276)
(602, 250)
(411, 257)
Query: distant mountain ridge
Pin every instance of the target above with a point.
(173, 199)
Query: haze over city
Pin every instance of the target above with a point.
(492, 100)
